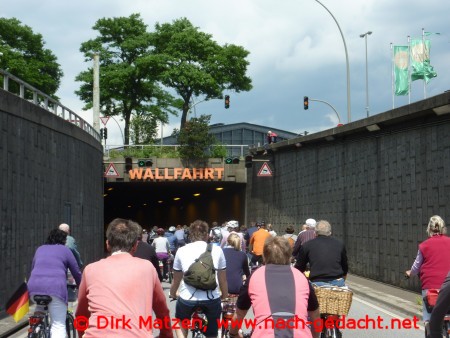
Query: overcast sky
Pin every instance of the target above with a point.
(295, 50)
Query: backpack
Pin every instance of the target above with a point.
(202, 274)
(291, 241)
(216, 235)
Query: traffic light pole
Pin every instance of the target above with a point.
(337, 114)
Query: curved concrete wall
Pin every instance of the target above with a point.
(51, 172)
(378, 189)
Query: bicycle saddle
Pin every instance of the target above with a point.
(42, 299)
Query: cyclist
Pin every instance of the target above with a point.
(122, 288)
(49, 277)
(327, 257)
(162, 248)
(237, 263)
(233, 228)
(189, 297)
(275, 302)
(441, 308)
(257, 243)
(432, 262)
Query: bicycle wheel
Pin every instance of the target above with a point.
(38, 332)
(446, 329)
(70, 329)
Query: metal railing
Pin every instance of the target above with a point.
(35, 96)
(235, 150)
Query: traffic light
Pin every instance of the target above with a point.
(128, 164)
(305, 102)
(101, 133)
(227, 101)
(228, 160)
(248, 161)
(105, 133)
(145, 163)
(232, 160)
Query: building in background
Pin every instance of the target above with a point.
(238, 137)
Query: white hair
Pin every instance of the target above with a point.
(436, 226)
(323, 228)
(64, 227)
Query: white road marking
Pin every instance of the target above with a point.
(383, 310)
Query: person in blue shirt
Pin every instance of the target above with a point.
(173, 242)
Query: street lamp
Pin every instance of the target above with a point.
(367, 73)
(349, 114)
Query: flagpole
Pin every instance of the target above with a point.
(409, 70)
(424, 56)
(392, 76)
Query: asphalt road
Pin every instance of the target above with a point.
(375, 320)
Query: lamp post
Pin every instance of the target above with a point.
(120, 128)
(349, 114)
(367, 72)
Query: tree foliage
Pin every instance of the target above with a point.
(194, 139)
(25, 56)
(129, 73)
(195, 65)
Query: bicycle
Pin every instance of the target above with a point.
(198, 322)
(40, 323)
(169, 263)
(430, 302)
(228, 311)
(333, 302)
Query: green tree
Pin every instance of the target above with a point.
(25, 57)
(194, 139)
(195, 65)
(129, 73)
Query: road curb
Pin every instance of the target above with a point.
(407, 307)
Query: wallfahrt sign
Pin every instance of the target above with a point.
(176, 174)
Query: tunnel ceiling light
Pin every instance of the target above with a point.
(109, 189)
(176, 198)
(160, 202)
(104, 195)
(197, 194)
(129, 206)
(219, 188)
(145, 204)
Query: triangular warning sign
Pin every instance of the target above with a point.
(265, 170)
(111, 171)
(104, 120)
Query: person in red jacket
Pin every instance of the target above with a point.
(433, 259)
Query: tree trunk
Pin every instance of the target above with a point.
(184, 114)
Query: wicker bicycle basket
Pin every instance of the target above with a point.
(335, 300)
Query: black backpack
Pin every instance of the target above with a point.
(202, 274)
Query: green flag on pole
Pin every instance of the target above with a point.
(401, 78)
(420, 61)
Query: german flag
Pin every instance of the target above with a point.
(18, 304)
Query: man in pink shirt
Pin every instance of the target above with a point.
(119, 294)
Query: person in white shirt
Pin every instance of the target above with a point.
(162, 248)
(188, 297)
(232, 228)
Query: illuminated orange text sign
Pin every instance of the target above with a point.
(175, 174)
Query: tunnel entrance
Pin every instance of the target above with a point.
(170, 203)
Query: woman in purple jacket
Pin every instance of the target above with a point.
(49, 277)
